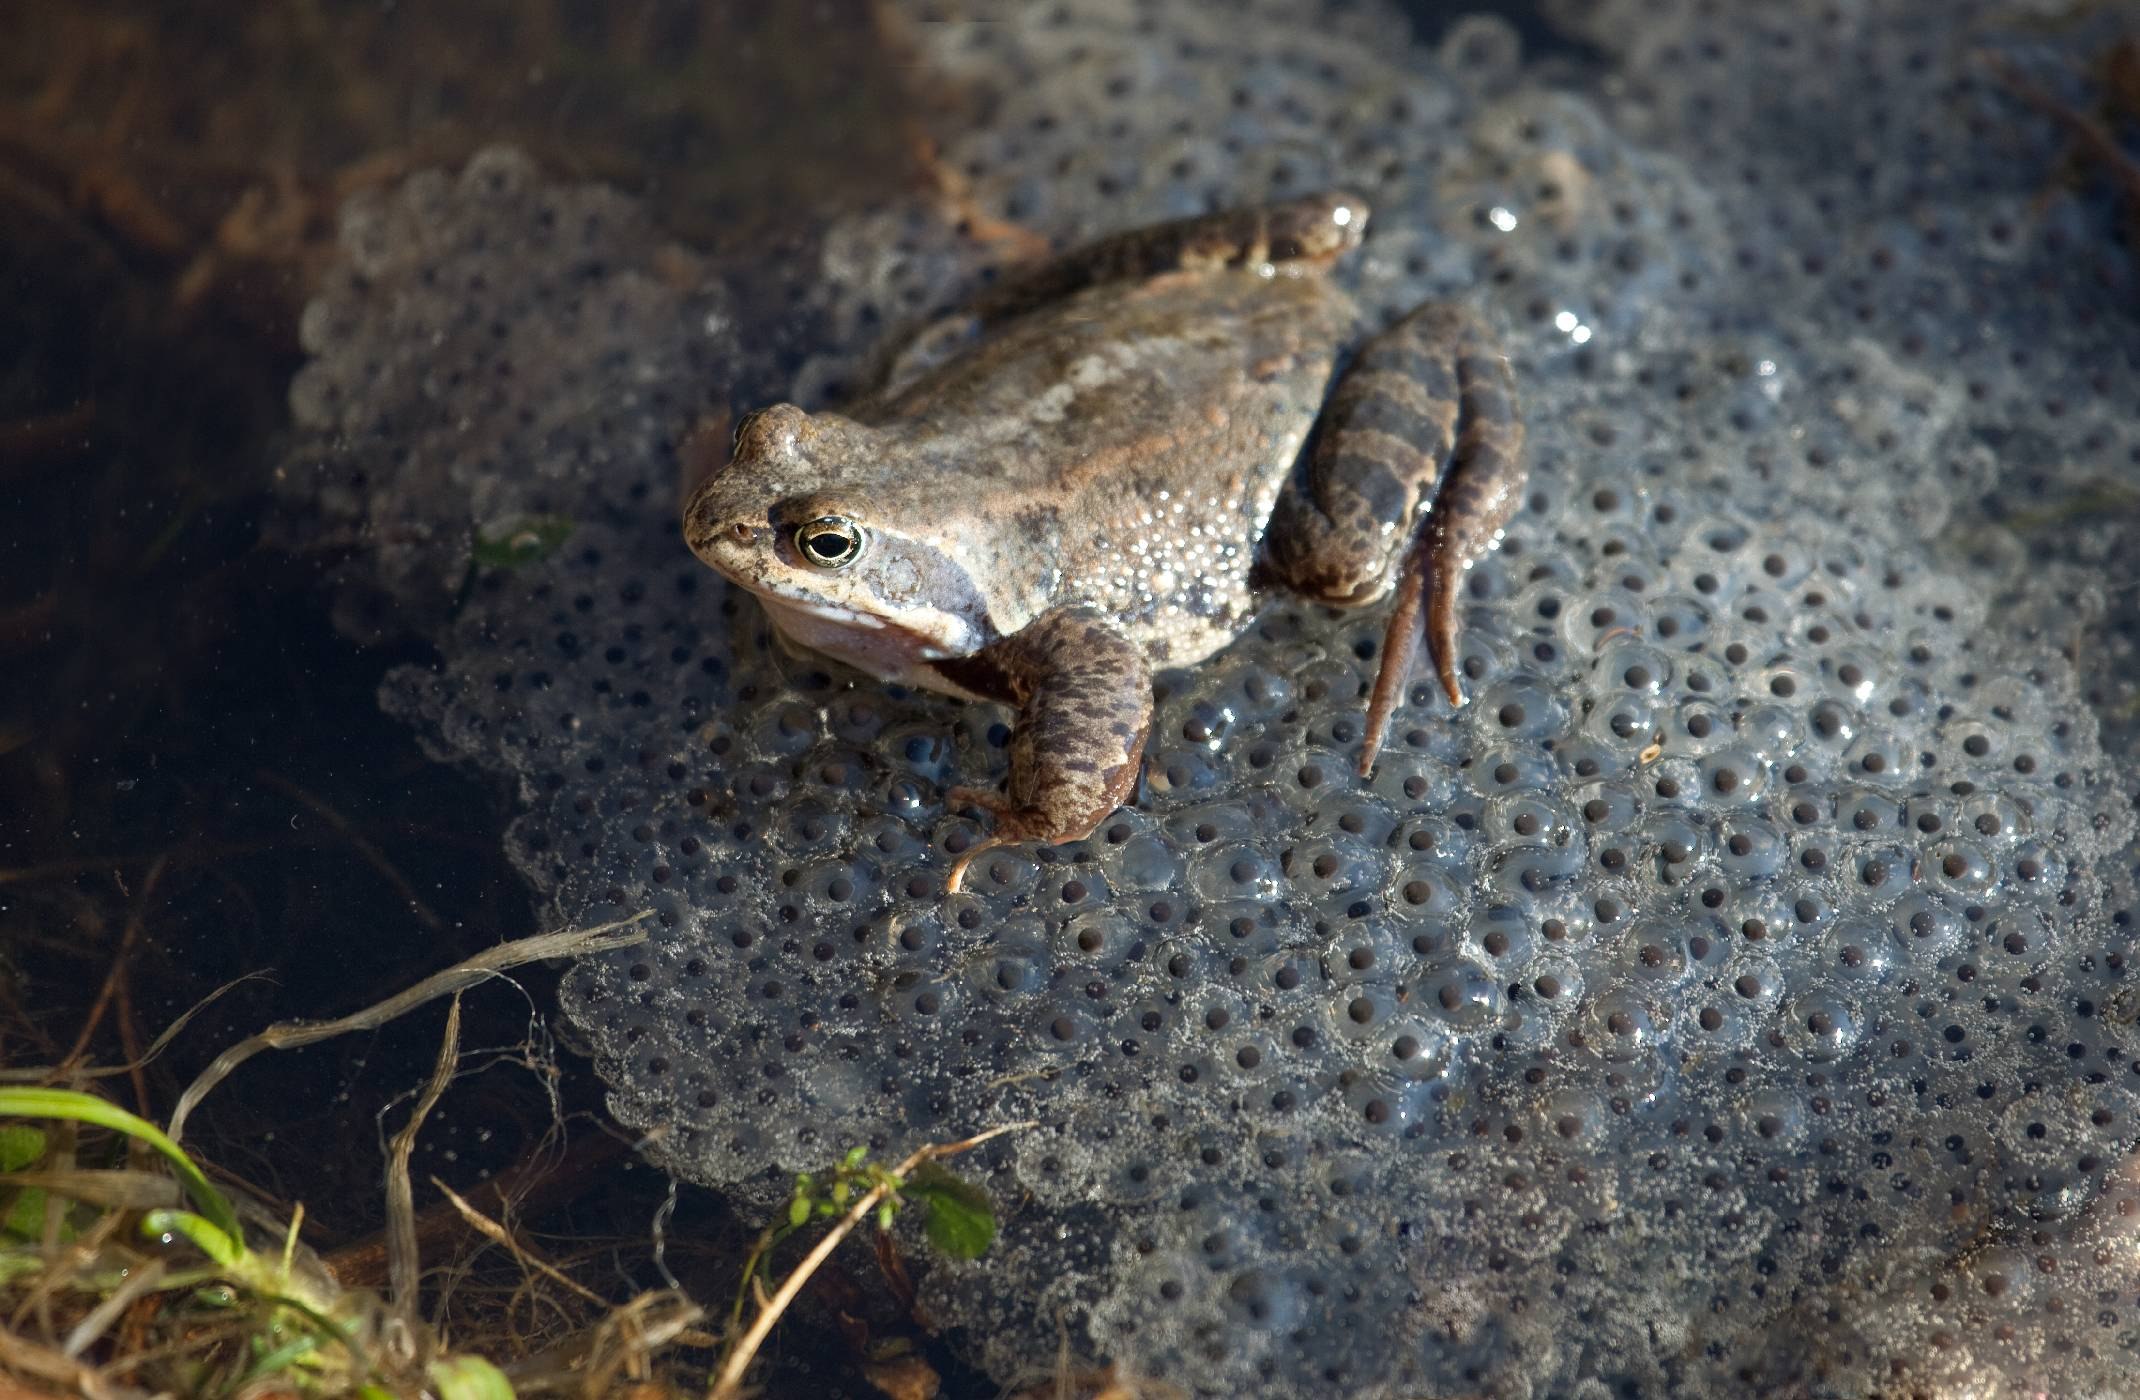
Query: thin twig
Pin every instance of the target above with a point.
(21, 1356)
(730, 1384)
(499, 1235)
(32, 442)
(198, 854)
(93, 1325)
(2091, 135)
(130, 1046)
(360, 843)
(127, 939)
(535, 1183)
(43, 1074)
(112, 1188)
(286, 1035)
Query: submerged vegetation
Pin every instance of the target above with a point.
(126, 1270)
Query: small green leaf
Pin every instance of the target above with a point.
(799, 1212)
(854, 1157)
(885, 1210)
(962, 1221)
(521, 542)
(24, 1218)
(21, 1146)
(469, 1378)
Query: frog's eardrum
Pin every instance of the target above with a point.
(1733, 998)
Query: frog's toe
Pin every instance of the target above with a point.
(955, 881)
(1400, 646)
(1442, 583)
(1012, 825)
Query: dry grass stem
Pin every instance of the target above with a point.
(287, 1035)
(404, 1264)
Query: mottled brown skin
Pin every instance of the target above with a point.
(1084, 699)
(1069, 484)
(1430, 389)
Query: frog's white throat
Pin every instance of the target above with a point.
(892, 650)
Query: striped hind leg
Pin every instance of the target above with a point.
(1426, 413)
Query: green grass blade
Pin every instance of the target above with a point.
(205, 1236)
(87, 1108)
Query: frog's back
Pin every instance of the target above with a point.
(1138, 433)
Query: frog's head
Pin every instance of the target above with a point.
(816, 515)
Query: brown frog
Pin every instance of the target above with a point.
(1094, 479)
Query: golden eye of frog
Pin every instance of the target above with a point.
(1120, 448)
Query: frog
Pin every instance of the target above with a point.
(1102, 465)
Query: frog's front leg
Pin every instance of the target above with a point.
(1084, 698)
(1430, 390)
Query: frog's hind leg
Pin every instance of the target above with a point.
(1432, 389)
(1484, 486)
(1084, 697)
(1314, 229)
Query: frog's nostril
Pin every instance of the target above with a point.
(742, 531)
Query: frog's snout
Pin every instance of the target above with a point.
(716, 534)
(731, 543)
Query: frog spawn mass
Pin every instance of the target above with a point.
(1734, 992)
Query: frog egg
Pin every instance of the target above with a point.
(2037, 864)
(1730, 1013)
(1336, 871)
(1681, 622)
(1961, 868)
(1504, 939)
(1457, 993)
(1517, 706)
(1013, 972)
(1235, 870)
(1605, 617)
(1141, 1029)
(1821, 1024)
(1624, 725)
(1181, 773)
(1884, 870)
(1621, 1026)
(1695, 727)
(1925, 927)
(1666, 852)
(1383, 1106)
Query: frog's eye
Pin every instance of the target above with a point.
(829, 542)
